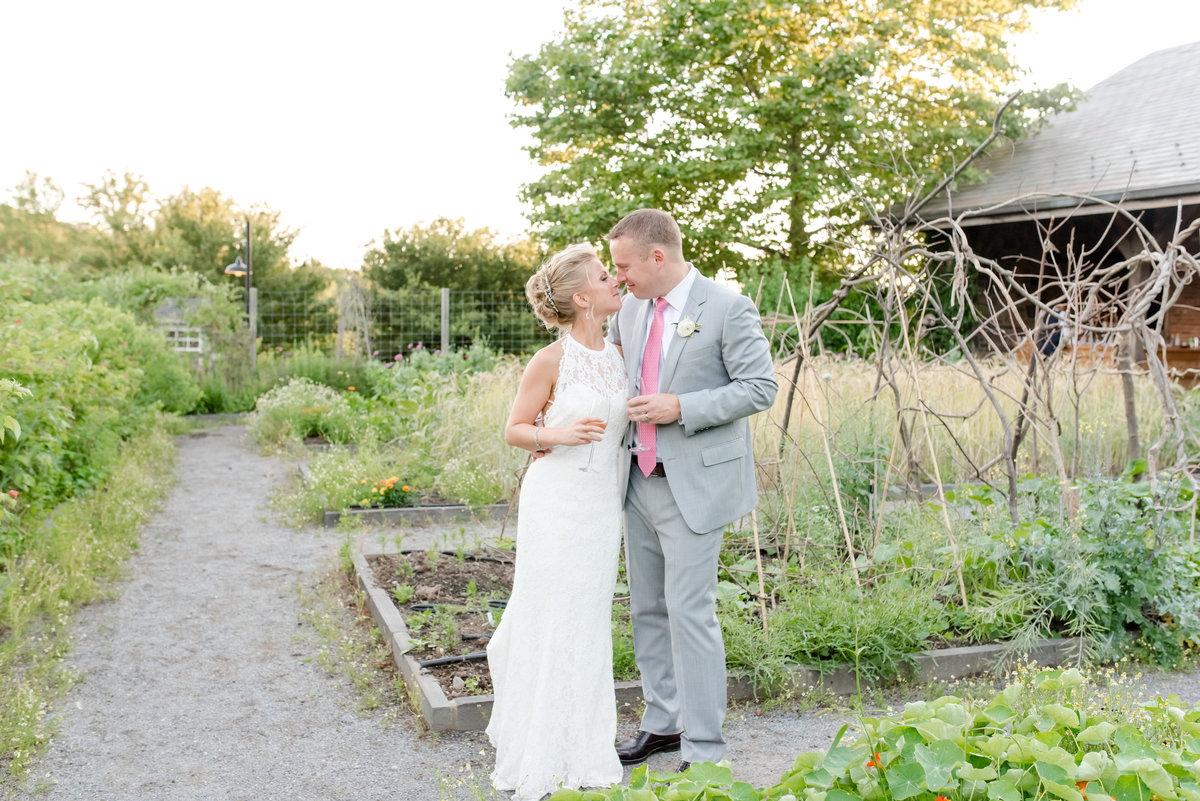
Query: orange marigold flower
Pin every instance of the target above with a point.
(350, 388)
(406, 489)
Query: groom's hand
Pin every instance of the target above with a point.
(657, 409)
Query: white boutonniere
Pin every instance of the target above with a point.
(686, 327)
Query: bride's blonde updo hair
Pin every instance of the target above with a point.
(550, 290)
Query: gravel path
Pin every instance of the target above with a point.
(198, 680)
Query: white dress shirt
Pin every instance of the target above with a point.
(676, 299)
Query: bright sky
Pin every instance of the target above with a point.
(355, 117)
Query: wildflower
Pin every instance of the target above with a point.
(399, 356)
(874, 763)
(406, 489)
(350, 388)
(13, 493)
(941, 798)
(17, 321)
(1082, 785)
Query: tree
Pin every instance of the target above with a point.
(758, 122)
(120, 205)
(30, 228)
(444, 254)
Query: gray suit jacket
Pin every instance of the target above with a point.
(722, 374)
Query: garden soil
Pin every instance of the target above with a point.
(199, 679)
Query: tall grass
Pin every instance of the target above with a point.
(69, 559)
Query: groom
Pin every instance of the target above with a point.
(695, 350)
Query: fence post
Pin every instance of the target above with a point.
(445, 320)
(253, 327)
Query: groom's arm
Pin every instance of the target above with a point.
(746, 355)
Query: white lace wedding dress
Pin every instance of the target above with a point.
(554, 719)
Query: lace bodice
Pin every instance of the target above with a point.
(601, 371)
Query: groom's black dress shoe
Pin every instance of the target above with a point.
(643, 744)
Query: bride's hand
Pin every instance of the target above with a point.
(583, 431)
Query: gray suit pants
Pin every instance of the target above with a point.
(676, 638)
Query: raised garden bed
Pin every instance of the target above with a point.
(454, 693)
(431, 513)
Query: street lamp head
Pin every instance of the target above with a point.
(238, 268)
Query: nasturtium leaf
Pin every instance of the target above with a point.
(710, 773)
(567, 794)
(1072, 677)
(971, 773)
(934, 729)
(1155, 776)
(1131, 742)
(999, 714)
(819, 778)
(1099, 733)
(838, 758)
(1091, 767)
(915, 709)
(1049, 772)
(901, 736)
(1004, 789)
(954, 714)
(905, 780)
(808, 760)
(840, 795)
(995, 746)
(1062, 715)
(743, 791)
(1130, 788)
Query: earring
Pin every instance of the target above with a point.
(588, 316)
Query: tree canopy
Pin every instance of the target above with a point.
(445, 254)
(758, 122)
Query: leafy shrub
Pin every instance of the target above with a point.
(297, 409)
(1124, 573)
(94, 376)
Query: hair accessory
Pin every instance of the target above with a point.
(550, 295)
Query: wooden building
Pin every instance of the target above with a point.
(1133, 140)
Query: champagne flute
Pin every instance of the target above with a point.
(603, 424)
(634, 391)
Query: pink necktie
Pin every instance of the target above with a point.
(647, 433)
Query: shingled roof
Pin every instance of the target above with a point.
(1134, 136)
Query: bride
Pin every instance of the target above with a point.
(554, 719)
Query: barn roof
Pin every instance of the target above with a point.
(1135, 136)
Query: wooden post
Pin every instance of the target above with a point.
(445, 320)
(253, 327)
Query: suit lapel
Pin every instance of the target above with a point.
(693, 309)
(635, 345)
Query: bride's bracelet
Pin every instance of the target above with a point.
(536, 444)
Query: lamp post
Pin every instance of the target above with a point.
(239, 268)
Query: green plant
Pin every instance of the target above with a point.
(403, 593)
(297, 409)
(386, 493)
(1048, 734)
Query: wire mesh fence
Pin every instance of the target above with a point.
(383, 324)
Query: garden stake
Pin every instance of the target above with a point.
(937, 470)
(762, 589)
